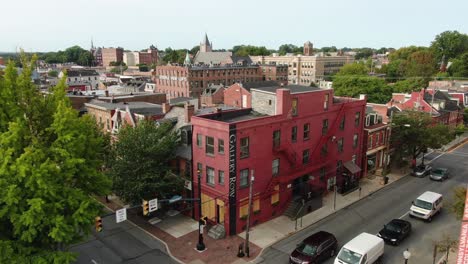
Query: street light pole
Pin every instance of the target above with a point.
(200, 245)
(247, 249)
(334, 197)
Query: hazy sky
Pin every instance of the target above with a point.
(50, 25)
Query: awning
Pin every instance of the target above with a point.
(353, 168)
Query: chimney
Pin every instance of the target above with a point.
(283, 101)
(189, 111)
(166, 107)
(107, 93)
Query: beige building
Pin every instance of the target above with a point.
(111, 55)
(307, 68)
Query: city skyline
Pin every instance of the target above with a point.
(362, 23)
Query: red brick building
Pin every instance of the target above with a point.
(275, 73)
(212, 96)
(444, 109)
(238, 94)
(376, 140)
(149, 57)
(312, 140)
(191, 80)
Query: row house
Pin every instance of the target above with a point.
(376, 142)
(111, 116)
(297, 141)
(439, 104)
(239, 95)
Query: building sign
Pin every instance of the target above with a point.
(172, 78)
(462, 257)
(232, 179)
(188, 185)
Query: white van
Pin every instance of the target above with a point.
(426, 206)
(363, 249)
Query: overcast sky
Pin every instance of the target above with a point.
(50, 25)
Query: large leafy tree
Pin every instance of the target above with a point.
(450, 44)
(141, 169)
(50, 165)
(457, 205)
(409, 85)
(459, 67)
(413, 132)
(352, 80)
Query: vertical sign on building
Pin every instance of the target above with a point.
(462, 257)
(232, 179)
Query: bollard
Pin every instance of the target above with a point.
(240, 252)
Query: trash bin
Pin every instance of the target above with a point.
(385, 180)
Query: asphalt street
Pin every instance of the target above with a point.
(393, 201)
(121, 243)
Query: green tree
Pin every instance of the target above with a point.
(141, 168)
(194, 50)
(404, 53)
(246, 50)
(376, 89)
(450, 44)
(409, 85)
(465, 116)
(354, 69)
(395, 70)
(459, 67)
(143, 67)
(53, 73)
(413, 132)
(364, 53)
(457, 204)
(290, 48)
(51, 164)
(420, 64)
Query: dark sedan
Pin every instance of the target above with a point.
(439, 174)
(395, 231)
(317, 248)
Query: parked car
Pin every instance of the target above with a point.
(439, 174)
(422, 170)
(365, 248)
(427, 205)
(315, 249)
(395, 231)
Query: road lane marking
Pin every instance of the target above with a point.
(93, 261)
(436, 157)
(404, 215)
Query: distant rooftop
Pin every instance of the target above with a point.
(234, 115)
(179, 100)
(293, 88)
(135, 107)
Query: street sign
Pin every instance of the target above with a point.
(153, 205)
(121, 215)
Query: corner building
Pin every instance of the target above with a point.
(311, 141)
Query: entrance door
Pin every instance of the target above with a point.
(219, 211)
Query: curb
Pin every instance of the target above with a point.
(168, 250)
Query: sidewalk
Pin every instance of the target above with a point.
(180, 233)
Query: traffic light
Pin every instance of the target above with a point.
(145, 206)
(98, 224)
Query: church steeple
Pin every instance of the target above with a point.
(206, 45)
(187, 59)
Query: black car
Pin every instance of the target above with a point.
(315, 249)
(395, 231)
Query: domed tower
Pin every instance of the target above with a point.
(206, 45)
(308, 49)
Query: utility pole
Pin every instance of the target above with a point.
(200, 245)
(247, 250)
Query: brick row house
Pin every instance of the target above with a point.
(443, 108)
(298, 141)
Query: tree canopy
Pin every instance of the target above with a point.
(50, 165)
(414, 132)
(290, 48)
(450, 44)
(74, 54)
(141, 167)
(246, 50)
